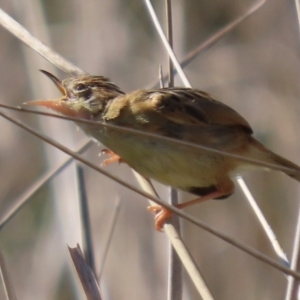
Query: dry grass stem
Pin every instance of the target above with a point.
(157, 137)
(35, 44)
(292, 292)
(248, 53)
(87, 242)
(85, 274)
(168, 4)
(297, 4)
(262, 220)
(241, 182)
(6, 278)
(175, 261)
(166, 44)
(22, 34)
(175, 210)
(181, 250)
(22, 200)
(188, 262)
(212, 40)
(174, 264)
(110, 233)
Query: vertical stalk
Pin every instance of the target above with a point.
(87, 241)
(174, 264)
(170, 39)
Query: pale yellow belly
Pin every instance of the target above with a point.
(167, 163)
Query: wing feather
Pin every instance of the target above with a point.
(177, 112)
(194, 107)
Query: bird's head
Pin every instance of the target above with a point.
(82, 96)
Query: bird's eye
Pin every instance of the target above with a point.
(80, 87)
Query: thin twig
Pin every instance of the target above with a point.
(292, 292)
(64, 190)
(184, 79)
(273, 239)
(297, 3)
(6, 279)
(159, 138)
(166, 43)
(174, 263)
(35, 187)
(22, 34)
(220, 34)
(160, 77)
(246, 190)
(266, 227)
(212, 40)
(85, 274)
(175, 210)
(168, 4)
(110, 233)
(189, 264)
(185, 257)
(85, 220)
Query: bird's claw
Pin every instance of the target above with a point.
(112, 159)
(162, 215)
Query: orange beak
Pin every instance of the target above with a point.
(55, 104)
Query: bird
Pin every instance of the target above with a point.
(185, 114)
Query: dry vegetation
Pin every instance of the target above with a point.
(254, 69)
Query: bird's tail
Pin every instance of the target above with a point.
(294, 171)
(260, 152)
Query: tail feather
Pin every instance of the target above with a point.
(277, 159)
(260, 152)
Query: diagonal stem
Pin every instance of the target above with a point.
(174, 264)
(184, 215)
(22, 34)
(185, 81)
(24, 199)
(86, 229)
(159, 138)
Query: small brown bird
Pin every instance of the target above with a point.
(181, 113)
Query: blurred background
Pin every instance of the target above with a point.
(255, 69)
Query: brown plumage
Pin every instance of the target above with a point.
(181, 113)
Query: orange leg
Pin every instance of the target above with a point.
(112, 158)
(163, 214)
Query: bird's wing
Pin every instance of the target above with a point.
(182, 113)
(193, 107)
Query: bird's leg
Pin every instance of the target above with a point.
(163, 214)
(112, 158)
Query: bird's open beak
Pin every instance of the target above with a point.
(55, 104)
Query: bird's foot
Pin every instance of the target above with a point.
(162, 214)
(112, 158)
